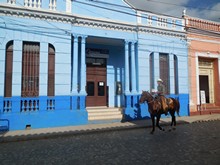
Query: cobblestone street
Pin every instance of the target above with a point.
(197, 143)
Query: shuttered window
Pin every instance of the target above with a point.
(8, 69)
(30, 69)
(164, 71)
(151, 71)
(176, 75)
(51, 70)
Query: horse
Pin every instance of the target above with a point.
(155, 108)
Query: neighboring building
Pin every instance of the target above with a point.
(62, 61)
(204, 60)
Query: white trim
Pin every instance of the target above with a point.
(68, 6)
(197, 79)
(202, 40)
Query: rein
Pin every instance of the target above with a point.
(151, 100)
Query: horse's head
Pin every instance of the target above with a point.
(145, 96)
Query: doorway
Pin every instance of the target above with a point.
(96, 82)
(204, 86)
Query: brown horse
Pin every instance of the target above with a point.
(155, 108)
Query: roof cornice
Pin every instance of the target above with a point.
(82, 21)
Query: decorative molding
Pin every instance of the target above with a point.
(167, 32)
(48, 15)
(33, 13)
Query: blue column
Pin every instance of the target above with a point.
(156, 68)
(127, 83)
(171, 72)
(83, 67)
(75, 66)
(133, 69)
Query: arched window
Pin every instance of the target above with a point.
(164, 71)
(51, 71)
(8, 69)
(30, 69)
(151, 71)
(175, 60)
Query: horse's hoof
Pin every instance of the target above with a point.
(152, 132)
(163, 129)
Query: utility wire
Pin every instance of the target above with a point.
(142, 16)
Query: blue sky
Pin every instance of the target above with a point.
(204, 9)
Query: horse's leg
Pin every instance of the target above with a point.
(158, 122)
(153, 124)
(173, 122)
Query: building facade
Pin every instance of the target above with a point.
(60, 59)
(204, 56)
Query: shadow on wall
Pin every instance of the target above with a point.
(139, 112)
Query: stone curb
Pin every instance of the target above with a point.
(88, 129)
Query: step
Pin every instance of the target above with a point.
(104, 113)
(105, 117)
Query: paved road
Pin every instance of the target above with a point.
(197, 143)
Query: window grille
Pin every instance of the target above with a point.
(30, 69)
(164, 71)
(176, 80)
(151, 71)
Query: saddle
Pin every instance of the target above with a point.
(164, 103)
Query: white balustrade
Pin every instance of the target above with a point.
(11, 1)
(32, 3)
(52, 5)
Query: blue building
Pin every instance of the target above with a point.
(61, 61)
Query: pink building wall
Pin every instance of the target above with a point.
(203, 43)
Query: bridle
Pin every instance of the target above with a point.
(151, 97)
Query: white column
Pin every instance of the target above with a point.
(83, 66)
(75, 66)
(197, 79)
(127, 80)
(17, 68)
(133, 69)
(68, 6)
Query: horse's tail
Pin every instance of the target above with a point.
(177, 106)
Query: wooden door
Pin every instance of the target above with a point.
(96, 86)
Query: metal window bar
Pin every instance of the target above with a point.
(164, 71)
(30, 70)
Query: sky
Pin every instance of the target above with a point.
(204, 9)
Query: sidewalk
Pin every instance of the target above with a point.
(33, 134)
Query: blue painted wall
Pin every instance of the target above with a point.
(113, 10)
(67, 109)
